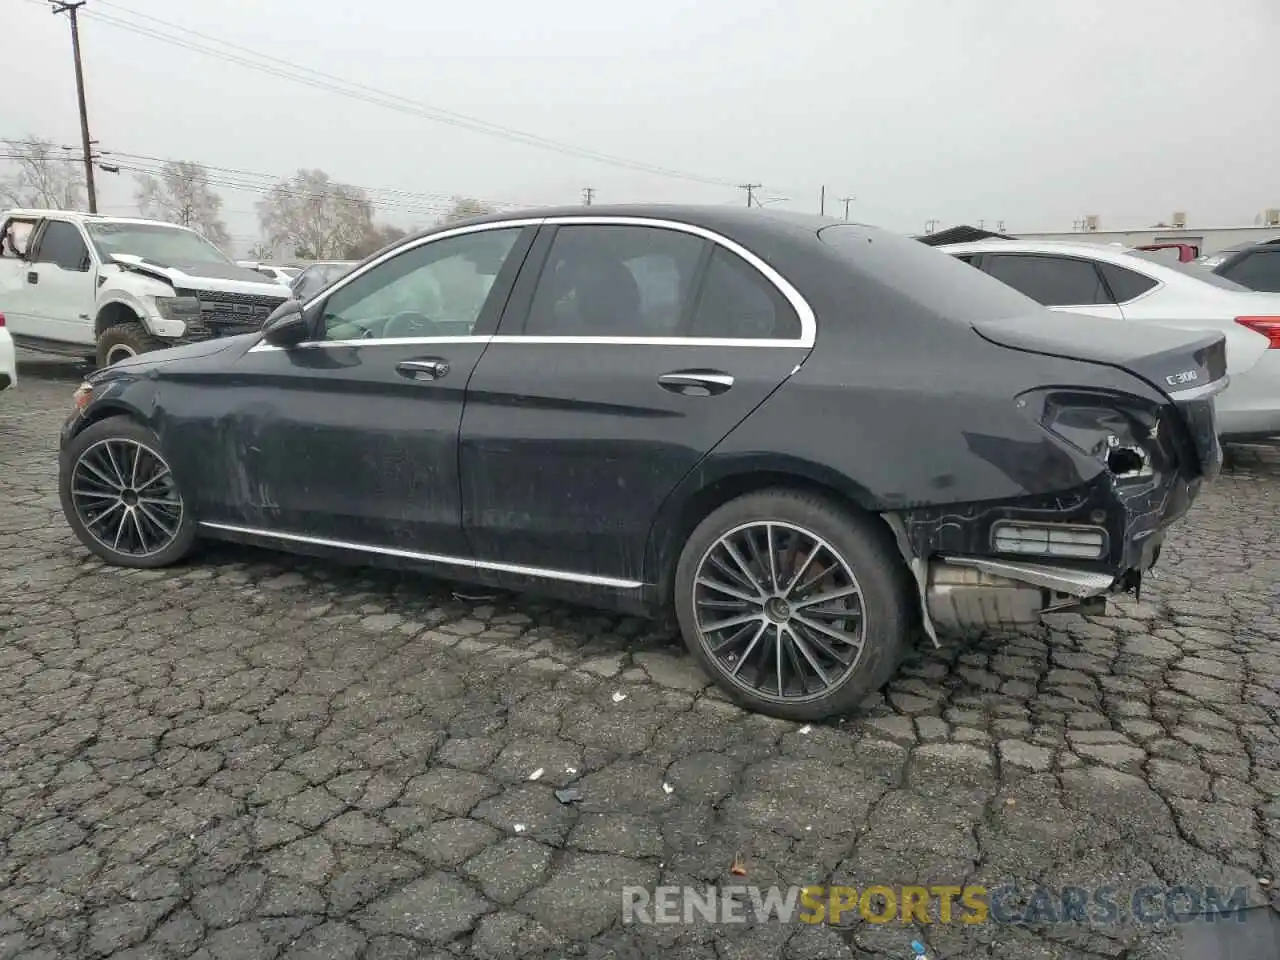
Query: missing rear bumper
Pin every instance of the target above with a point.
(964, 594)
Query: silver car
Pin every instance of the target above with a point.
(1126, 285)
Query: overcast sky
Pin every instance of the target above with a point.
(1032, 112)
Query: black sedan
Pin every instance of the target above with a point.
(803, 440)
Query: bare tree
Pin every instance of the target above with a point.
(464, 208)
(44, 175)
(261, 251)
(182, 194)
(378, 237)
(315, 217)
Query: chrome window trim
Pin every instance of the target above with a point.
(441, 559)
(808, 320)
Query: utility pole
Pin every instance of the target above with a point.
(846, 201)
(751, 189)
(588, 194)
(70, 9)
(822, 202)
(930, 226)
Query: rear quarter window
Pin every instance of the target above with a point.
(925, 275)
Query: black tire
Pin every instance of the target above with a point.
(125, 432)
(123, 340)
(879, 576)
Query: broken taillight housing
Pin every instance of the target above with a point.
(1120, 431)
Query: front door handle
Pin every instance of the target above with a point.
(696, 383)
(33, 277)
(432, 369)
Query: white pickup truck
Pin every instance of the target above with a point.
(107, 288)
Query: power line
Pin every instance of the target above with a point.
(233, 178)
(284, 69)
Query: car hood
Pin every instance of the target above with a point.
(220, 277)
(180, 354)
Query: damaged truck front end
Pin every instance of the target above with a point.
(1001, 564)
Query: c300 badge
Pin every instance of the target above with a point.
(1186, 376)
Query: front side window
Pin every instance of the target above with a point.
(437, 289)
(1052, 281)
(1259, 270)
(737, 303)
(615, 281)
(61, 245)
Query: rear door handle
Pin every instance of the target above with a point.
(431, 369)
(33, 277)
(696, 383)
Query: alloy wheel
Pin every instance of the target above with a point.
(779, 610)
(125, 496)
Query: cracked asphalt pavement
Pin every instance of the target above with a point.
(254, 755)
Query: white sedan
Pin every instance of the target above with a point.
(1123, 284)
(8, 363)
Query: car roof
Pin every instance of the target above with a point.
(1116, 252)
(34, 212)
(709, 217)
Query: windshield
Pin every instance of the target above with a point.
(1201, 271)
(155, 242)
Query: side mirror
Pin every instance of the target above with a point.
(287, 325)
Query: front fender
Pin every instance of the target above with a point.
(131, 395)
(138, 293)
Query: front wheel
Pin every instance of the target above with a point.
(121, 498)
(125, 340)
(796, 607)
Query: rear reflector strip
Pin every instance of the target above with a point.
(1269, 327)
(1083, 543)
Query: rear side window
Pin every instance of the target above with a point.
(615, 281)
(1125, 284)
(737, 303)
(1052, 281)
(62, 246)
(1259, 270)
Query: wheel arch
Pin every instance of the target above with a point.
(112, 314)
(105, 410)
(711, 486)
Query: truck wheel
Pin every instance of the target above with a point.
(125, 340)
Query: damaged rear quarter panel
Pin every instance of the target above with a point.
(903, 411)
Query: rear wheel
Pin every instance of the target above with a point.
(796, 607)
(121, 497)
(125, 340)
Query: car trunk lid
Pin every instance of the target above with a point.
(1187, 366)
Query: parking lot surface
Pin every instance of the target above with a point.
(254, 755)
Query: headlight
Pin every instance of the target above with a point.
(178, 308)
(81, 397)
(1120, 431)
